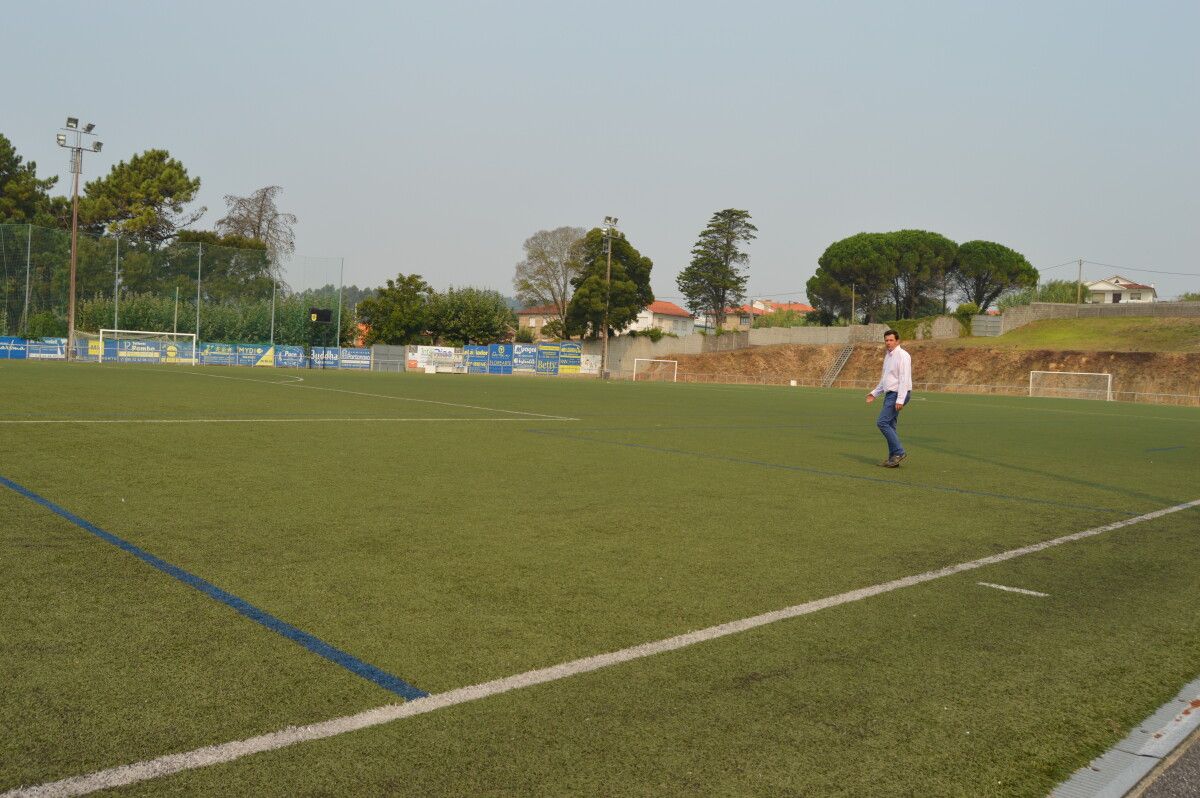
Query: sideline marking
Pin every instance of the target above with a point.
(249, 420)
(299, 380)
(314, 644)
(227, 752)
(1014, 589)
(1167, 449)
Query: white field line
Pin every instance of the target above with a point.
(254, 420)
(296, 383)
(293, 735)
(1013, 589)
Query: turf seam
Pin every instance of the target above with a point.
(371, 673)
(292, 735)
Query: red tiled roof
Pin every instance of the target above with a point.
(667, 309)
(540, 310)
(1117, 279)
(799, 307)
(753, 311)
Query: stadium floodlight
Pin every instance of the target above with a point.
(77, 149)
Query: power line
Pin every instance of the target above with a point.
(1147, 271)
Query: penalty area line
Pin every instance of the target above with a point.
(292, 735)
(257, 420)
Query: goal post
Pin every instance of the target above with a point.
(645, 368)
(147, 346)
(1071, 385)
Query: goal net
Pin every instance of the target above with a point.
(655, 370)
(1071, 385)
(146, 346)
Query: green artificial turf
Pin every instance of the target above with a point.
(454, 551)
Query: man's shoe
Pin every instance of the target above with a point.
(887, 463)
(893, 462)
(900, 457)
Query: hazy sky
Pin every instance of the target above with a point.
(435, 137)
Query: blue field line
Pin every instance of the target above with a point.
(820, 472)
(314, 644)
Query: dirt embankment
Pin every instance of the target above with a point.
(1143, 372)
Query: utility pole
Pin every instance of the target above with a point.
(852, 303)
(76, 147)
(610, 227)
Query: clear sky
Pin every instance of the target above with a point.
(435, 137)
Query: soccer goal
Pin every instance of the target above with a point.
(655, 370)
(147, 346)
(1071, 385)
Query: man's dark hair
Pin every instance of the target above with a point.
(891, 332)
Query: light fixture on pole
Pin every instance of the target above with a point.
(610, 229)
(77, 149)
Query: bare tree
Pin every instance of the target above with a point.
(552, 258)
(257, 217)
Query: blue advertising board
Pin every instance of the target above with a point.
(356, 359)
(477, 358)
(570, 355)
(255, 355)
(500, 359)
(47, 349)
(547, 358)
(12, 348)
(325, 357)
(289, 357)
(218, 354)
(524, 358)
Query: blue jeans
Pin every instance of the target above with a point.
(887, 422)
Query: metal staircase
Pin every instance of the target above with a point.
(835, 369)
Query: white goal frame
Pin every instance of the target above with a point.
(1074, 393)
(174, 337)
(674, 363)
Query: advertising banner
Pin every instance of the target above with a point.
(589, 364)
(218, 354)
(356, 359)
(251, 354)
(569, 355)
(500, 359)
(12, 348)
(133, 351)
(289, 356)
(445, 358)
(477, 358)
(547, 359)
(325, 357)
(47, 349)
(524, 358)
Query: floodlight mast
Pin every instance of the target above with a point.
(610, 229)
(77, 149)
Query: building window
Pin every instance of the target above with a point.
(1097, 297)
(1135, 296)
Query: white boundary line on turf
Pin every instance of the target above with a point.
(298, 380)
(292, 735)
(1020, 590)
(256, 420)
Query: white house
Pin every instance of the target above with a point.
(666, 316)
(1118, 289)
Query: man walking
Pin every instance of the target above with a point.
(896, 387)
